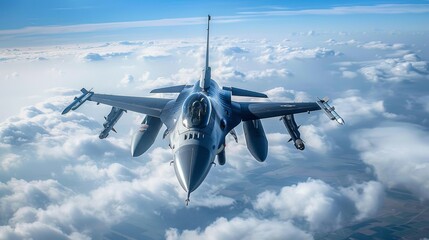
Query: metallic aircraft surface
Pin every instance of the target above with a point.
(198, 121)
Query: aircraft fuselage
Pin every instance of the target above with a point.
(197, 133)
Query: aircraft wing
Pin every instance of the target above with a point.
(145, 105)
(258, 110)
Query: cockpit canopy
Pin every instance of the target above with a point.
(196, 111)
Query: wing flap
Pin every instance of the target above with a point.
(244, 93)
(145, 105)
(259, 110)
(172, 89)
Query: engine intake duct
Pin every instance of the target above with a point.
(292, 128)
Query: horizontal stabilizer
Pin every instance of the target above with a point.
(172, 89)
(244, 92)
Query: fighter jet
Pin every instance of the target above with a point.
(199, 119)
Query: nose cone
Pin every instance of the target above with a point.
(192, 164)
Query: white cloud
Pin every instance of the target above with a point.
(355, 109)
(371, 9)
(406, 68)
(16, 194)
(383, 46)
(280, 94)
(348, 74)
(315, 139)
(321, 206)
(268, 73)
(226, 73)
(28, 206)
(62, 91)
(351, 42)
(181, 77)
(425, 102)
(154, 52)
(398, 152)
(281, 53)
(91, 57)
(126, 80)
(241, 16)
(241, 228)
(232, 50)
(42, 130)
(90, 171)
(67, 147)
(10, 161)
(94, 57)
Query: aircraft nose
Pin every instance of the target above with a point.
(192, 164)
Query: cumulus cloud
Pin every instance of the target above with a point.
(94, 57)
(398, 153)
(348, 74)
(356, 109)
(184, 76)
(126, 80)
(227, 73)
(10, 161)
(28, 207)
(42, 130)
(280, 94)
(154, 52)
(98, 185)
(297, 211)
(232, 50)
(424, 101)
(241, 228)
(351, 42)
(47, 208)
(62, 91)
(406, 68)
(321, 206)
(315, 139)
(381, 45)
(268, 73)
(282, 53)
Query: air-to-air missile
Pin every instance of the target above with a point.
(78, 101)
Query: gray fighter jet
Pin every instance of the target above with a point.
(199, 119)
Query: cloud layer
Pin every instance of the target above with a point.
(398, 154)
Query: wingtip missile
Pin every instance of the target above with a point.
(78, 101)
(330, 110)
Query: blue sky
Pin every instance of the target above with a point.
(18, 14)
(22, 22)
(58, 180)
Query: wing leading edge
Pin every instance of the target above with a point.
(145, 105)
(259, 110)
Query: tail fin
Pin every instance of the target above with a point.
(206, 75)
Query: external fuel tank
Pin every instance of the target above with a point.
(145, 136)
(256, 140)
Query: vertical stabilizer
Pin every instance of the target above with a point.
(206, 74)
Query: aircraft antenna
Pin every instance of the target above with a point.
(206, 75)
(208, 38)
